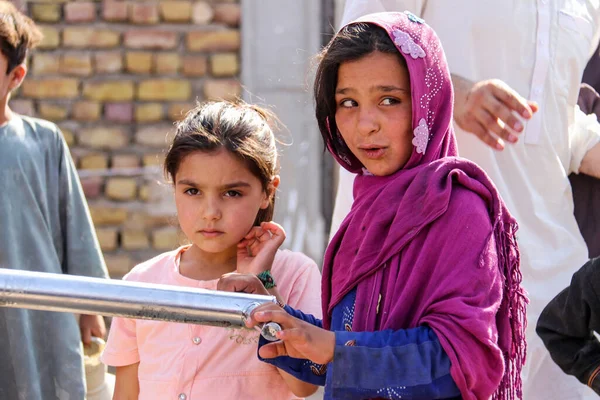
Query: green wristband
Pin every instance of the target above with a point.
(267, 279)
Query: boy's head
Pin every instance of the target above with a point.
(18, 34)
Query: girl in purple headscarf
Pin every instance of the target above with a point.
(421, 284)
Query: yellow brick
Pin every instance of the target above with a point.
(108, 238)
(121, 189)
(118, 265)
(176, 10)
(125, 161)
(76, 64)
(108, 62)
(68, 135)
(51, 38)
(52, 112)
(60, 88)
(153, 160)
(166, 238)
(177, 111)
(222, 89)
(45, 12)
(44, 63)
(103, 138)
(138, 62)
(167, 63)
(82, 37)
(164, 89)
(103, 215)
(225, 64)
(86, 110)
(222, 40)
(154, 135)
(134, 240)
(94, 161)
(149, 112)
(141, 220)
(144, 194)
(108, 91)
(229, 14)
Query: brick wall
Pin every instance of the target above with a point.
(114, 75)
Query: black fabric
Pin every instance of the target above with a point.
(568, 323)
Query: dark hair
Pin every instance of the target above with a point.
(18, 34)
(242, 129)
(351, 43)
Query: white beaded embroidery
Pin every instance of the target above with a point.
(421, 138)
(407, 44)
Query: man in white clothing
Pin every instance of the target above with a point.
(508, 58)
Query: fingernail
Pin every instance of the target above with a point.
(527, 113)
(518, 126)
(259, 314)
(499, 146)
(513, 138)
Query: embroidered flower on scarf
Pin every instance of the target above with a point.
(407, 44)
(414, 18)
(421, 133)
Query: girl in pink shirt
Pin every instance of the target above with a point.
(223, 165)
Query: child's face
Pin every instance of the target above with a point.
(11, 81)
(217, 199)
(374, 111)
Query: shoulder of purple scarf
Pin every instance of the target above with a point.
(389, 211)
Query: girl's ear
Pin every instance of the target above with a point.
(271, 189)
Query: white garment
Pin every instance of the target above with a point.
(539, 48)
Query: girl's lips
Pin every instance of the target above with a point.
(374, 153)
(211, 234)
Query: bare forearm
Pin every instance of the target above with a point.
(127, 386)
(590, 165)
(461, 89)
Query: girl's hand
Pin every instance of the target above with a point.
(246, 283)
(298, 339)
(91, 325)
(256, 252)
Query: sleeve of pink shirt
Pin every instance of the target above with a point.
(121, 347)
(305, 292)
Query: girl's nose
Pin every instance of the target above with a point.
(212, 211)
(367, 122)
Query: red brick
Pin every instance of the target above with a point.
(119, 112)
(80, 12)
(151, 39)
(222, 89)
(143, 13)
(115, 10)
(92, 186)
(228, 14)
(194, 66)
(108, 62)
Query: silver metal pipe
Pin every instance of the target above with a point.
(116, 298)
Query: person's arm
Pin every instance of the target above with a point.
(127, 385)
(489, 109)
(568, 323)
(411, 362)
(590, 165)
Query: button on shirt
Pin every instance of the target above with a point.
(191, 362)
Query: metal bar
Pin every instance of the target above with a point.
(115, 298)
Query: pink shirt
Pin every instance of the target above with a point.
(188, 362)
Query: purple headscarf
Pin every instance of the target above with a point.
(432, 244)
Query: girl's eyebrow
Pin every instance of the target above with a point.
(378, 88)
(226, 186)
